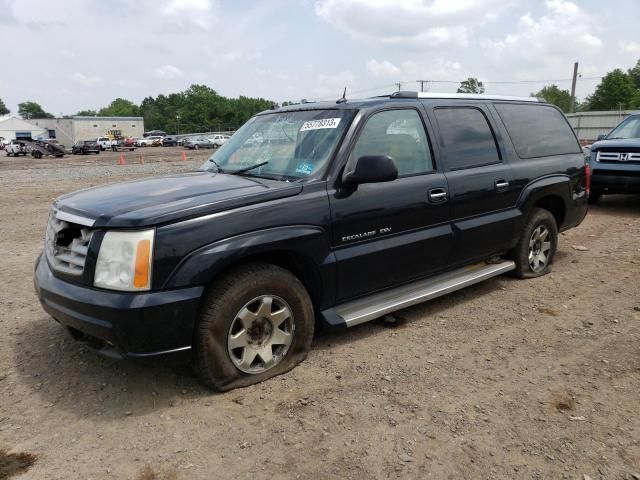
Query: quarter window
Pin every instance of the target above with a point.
(399, 134)
(467, 137)
(537, 130)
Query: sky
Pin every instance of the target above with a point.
(72, 55)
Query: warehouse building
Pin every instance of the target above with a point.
(588, 125)
(69, 130)
(12, 128)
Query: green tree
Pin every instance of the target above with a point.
(120, 108)
(32, 110)
(634, 74)
(552, 94)
(86, 113)
(616, 90)
(471, 85)
(3, 108)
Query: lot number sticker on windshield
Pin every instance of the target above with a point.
(318, 124)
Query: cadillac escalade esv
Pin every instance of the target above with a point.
(343, 212)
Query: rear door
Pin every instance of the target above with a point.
(481, 191)
(392, 232)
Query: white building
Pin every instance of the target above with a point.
(12, 128)
(69, 130)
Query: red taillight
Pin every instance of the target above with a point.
(587, 172)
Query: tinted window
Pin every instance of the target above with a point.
(399, 134)
(467, 137)
(537, 130)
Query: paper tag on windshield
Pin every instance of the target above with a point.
(318, 124)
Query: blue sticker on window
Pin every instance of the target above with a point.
(305, 168)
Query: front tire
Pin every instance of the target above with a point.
(256, 322)
(537, 246)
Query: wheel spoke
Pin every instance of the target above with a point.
(246, 316)
(264, 310)
(248, 356)
(536, 263)
(544, 234)
(280, 337)
(240, 339)
(266, 354)
(278, 317)
(546, 246)
(542, 258)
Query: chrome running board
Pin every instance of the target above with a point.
(369, 308)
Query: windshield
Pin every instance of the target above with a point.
(630, 128)
(286, 146)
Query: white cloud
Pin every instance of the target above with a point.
(410, 23)
(87, 80)
(200, 13)
(382, 69)
(632, 48)
(168, 71)
(564, 32)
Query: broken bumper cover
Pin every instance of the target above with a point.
(121, 324)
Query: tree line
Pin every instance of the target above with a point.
(201, 109)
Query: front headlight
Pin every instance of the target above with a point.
(124, 261)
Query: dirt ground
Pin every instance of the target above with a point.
(506, 379)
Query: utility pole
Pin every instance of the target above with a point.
(572, 105)
(422, 82)
(399, 85)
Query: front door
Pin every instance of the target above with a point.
(388, 233)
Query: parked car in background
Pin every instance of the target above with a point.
(84, 147)
(145, 141)
(219, 140)
(16, 148)
(104, 143)
(154, 141)
(170, 141)
(615, 160)
(198, 143)
(123, 144)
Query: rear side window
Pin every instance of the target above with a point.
(467, 137)
(537, 130)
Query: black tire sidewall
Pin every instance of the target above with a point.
(537, 217)
(220, 306)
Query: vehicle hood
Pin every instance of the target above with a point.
(620, 143)
(158, 200)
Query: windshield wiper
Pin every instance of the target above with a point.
(246, 169)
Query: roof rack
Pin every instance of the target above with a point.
(464, 96)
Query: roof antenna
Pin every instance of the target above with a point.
(344, 97)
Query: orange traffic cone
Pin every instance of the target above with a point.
(184, 156)
(141, 159)
(121, 161)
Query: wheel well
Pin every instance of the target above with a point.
(555, 205)
(302, 267)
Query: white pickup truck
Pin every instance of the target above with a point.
(16, 148)
(104, 143)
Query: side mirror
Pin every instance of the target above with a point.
(602, 136)
(371, 169)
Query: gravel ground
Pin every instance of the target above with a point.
(506, 379)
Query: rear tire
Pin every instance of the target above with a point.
(537, 246)
(256, 322)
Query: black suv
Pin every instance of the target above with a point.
(343, 212)
(615, 160)
(170, 141)
(84, 147)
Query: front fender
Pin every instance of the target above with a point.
(308, 245)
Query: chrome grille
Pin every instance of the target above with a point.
(618, 157)
(66, 245)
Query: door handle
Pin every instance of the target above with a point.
(501, 185)
(437, 195)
